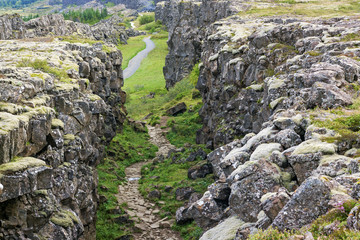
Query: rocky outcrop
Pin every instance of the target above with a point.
(252, 69)
(58, 108)
(260, 81)
(186, 22)
(108, 30)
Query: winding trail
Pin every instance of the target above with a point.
(148, 226)
(135, 62)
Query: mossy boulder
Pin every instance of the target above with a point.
(225, 230)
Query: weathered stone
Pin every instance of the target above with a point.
(225, 230)
(249, 182)
(308, 202)
(306, 157)
(199, 171)
(183, 193)
(177, 109)
(272, 203)
(206, 212)
(264, 151)
(154, 194)
(353, 219)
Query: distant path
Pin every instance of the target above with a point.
(135, 62)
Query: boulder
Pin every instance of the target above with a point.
(353, 221)
(215, 157)
(288, 138)
(272, 203)
(264, 151)
(155, 194)
(220, 191)
(201, 171)
(310, 201)
(206, 212)
(306, 157)
(183, 193)
(249, 182)
(177, 109)
(225, 230)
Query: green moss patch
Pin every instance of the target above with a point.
(20, 164)
(64, 218)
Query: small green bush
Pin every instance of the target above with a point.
(146, 19)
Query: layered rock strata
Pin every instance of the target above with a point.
(59, 106)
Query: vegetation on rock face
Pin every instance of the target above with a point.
(127, 147)
(43, 65)
(29, 17)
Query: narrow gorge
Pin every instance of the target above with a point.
(201, 119)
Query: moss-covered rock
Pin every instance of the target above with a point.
(226, 230)
(20, 164)
(315, 146)
(64, 218)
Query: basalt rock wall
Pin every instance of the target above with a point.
(266, 83)
(252, 69)
(186, 22)
(54, 126)
(109, 30)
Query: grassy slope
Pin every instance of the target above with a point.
(135, 45)
(326, 8)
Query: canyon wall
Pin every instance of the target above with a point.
(109, 30)
(186, 22)
(60, 104)
(275, 90)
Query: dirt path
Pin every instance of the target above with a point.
(135, 62)
(148, 226)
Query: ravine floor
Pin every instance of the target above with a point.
(148, 225)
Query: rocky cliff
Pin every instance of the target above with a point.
(186, 22)
(287, 88)
(59, 106)
(109, 30)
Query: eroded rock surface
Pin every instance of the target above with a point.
(269, 81)
(109, 30)
(59, 107)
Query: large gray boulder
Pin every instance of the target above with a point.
(310, 201)
(249, 182)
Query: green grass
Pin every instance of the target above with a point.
(148, 78)
(327, 8)
(125, 149)
(174, 175)
(44, 66)
(184, 127)
(134, 46)
(76, 39)
(144, 19)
